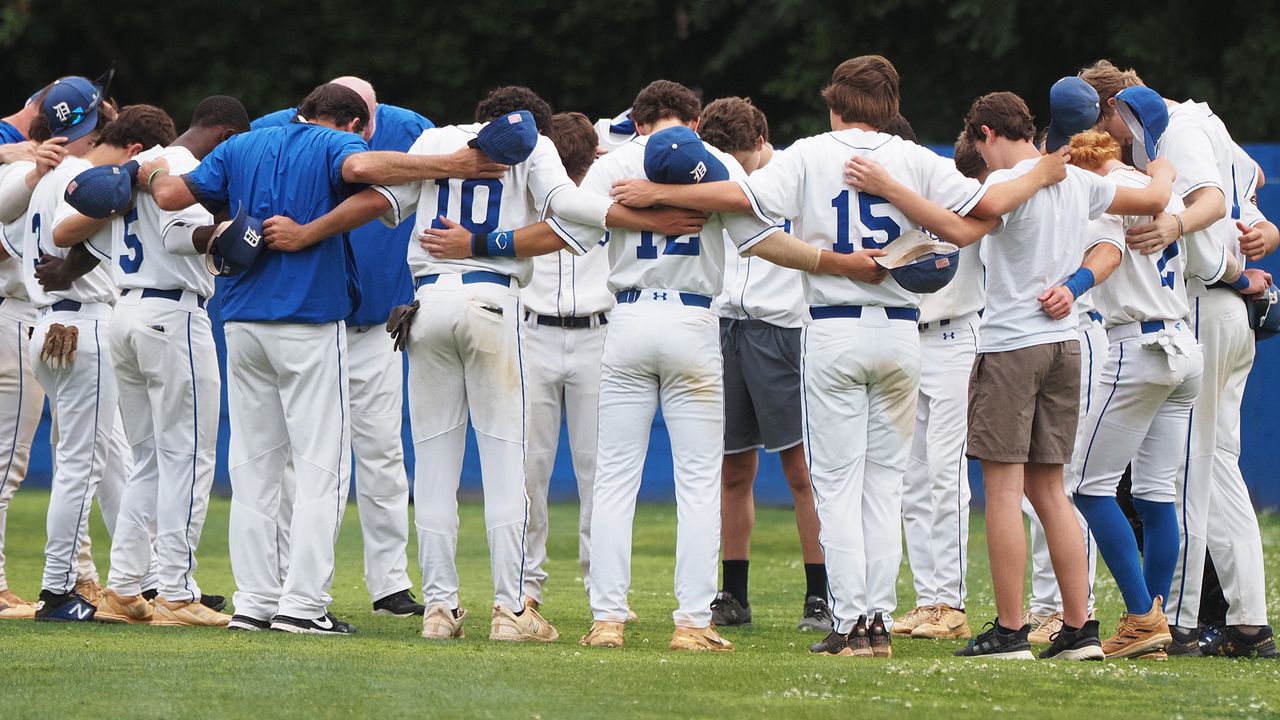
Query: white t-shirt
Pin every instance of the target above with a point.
(1035, 247)
(642, 260)
(805, 184)
(140, 257)
(46, 210)
(756, 289)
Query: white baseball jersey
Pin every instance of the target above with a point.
(14, 194)
(513, 201)
(965, 294)
(1203, 154)
(141, 259)
(568, 285)
(46, 210)
(643, 260)
(11, 236)
(11, 285)
(803, 185)
(1035, 247)
(756, 289)
(1245, 207)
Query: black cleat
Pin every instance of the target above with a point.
(150, 595)
(726, 611)
(1082, 644)
(324, 625)
(63, 607)
(399, 604)
(1185, 643)
(817, 616)
(216, 603)
(999, 643)
(245, 622)
(833, 644)
(1232, 642)
(860, 640)
(880, 640)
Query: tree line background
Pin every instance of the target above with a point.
(439, 57)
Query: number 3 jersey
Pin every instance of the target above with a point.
(805, 184)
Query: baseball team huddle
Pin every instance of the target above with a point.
(1071, 308)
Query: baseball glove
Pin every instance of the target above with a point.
(399, 321)
(59, 349)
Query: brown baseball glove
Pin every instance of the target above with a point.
(59, 349)
(399, 321)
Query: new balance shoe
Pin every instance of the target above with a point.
(699, 640)
(1043, 627)
(399, 604)
(1137, 635)
(878, 638)
(1080, 644)
(68, 607)
(944, 623)
(528, 626)
(128, 609)
(247, 623)
(186, 614)
(908, 623)
(999, 643)
(860, 639)
(1184, 643)
(327, 624)
(13, 607)
(833, 644)
(1234, 642)
(603, 634)
(439, 622)
(726, 611)
(817, 616)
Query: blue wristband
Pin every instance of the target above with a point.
(1080, 282)
(501, 243)
(1241, 283)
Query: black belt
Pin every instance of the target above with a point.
(824, 312)
(570, 322)
(174, 295)
(468, 278)
(934, 324)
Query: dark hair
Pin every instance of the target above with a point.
(1005, 113)
(732, 124)
(576, 141)
(663, 99)
(968, 160)
(864, 90)
(221, 111)
(336, 103)
(144, 124)
(510, 98)
(901, 127)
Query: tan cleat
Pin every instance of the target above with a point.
(1139, 635)
(632, 617)
(699, 639)
(528, 626)
(90, 590)
(438, 623)
(603, 634)
(945, 623)
(13, 607)
(531, 603)
(906, 624)
(1043, 627)
(185, 614)
(129, 609)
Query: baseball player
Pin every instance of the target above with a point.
(376, 370)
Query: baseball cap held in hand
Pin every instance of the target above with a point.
(104, 190)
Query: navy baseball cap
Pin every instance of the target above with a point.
(920, 263)
(509, 139)
(1147, 116)
(677, 156)
(71, 107)
(1264, 313)
(103, 191)
(237, 246)
(1073, 108)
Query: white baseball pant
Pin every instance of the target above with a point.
(21, 401)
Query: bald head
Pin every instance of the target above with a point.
(364, 89)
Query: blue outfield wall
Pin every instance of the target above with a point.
(1258, 435)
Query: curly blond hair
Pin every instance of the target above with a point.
(1092, 149)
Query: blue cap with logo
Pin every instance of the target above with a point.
(509, 139)
(920, 263)
(1147, 116)
(1073, 108)
(71, 107)
(677, 156)
(235, 245)
(104, 190)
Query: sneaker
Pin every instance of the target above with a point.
(603, 634)
(1232, 642)
(440, 623)
(13, 607)
(90, 590)
(817, 616)
(399, 604)
(996, 644)
(726, 611)
(699, 640)
(860, 639)
(326, 624)
(1082, 644)
(1138, 635)
(1207, 633)
(1184, 643)
(67, 607)
(247, 623)
(528, 626)
(833, 644)
(1043, 627)
(907, 623)
(880, 641)
(944, 623)
(128, 609)
(216, 603)
(185, 614)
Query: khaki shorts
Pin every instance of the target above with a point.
(1024, 404)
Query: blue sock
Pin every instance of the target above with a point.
(1118, 548)
(1159, 544)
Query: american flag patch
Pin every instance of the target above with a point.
(514, 118)
(941, 263)
(71, 188)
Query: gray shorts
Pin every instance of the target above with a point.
(761, 386)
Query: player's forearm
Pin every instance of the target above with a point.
(15, 195)
(1102, 260)
(949, 226)
(170, 193)
(357, 210)
(782, 249)
(74, 229)
(724, 196)
(537, 239)
(1005, 197)
(1150, 200)
(78, 263)
(183, 238)
(382, 167)
(1205, 206)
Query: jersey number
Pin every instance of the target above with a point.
(1166, 278)
(467, 205)
(35, 232)
(867, 219)
(648, 249)
(132, 260)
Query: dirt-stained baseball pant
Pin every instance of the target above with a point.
(21, 401)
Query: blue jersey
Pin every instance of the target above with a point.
(10, 134)
(385, 280)
(295, 171)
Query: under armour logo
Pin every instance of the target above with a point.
(63, 111)
(659, 296)
(252, 238)
(699, 171)
(948, 336)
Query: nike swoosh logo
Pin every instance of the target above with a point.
(324, 623)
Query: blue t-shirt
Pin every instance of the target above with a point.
(10, 134)
(295, 171)
(380, 251)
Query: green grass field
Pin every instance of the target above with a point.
(387, 671)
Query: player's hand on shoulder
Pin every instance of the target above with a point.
(148, 170)
(1051, 169)
(17, 152)
(451, 242)
(867, 175)
(49, 155)
(1252, 242)
(1259, 281)
(862, 266)
(678, 221)
(470, 163)
(1155, 236)
(1057, 301)
(1162, 167)
(284, 234)
(50, 273)
(635, 192)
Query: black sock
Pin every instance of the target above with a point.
(1069, 629)
(735, 579)
(1002, 630)
(815, 580)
